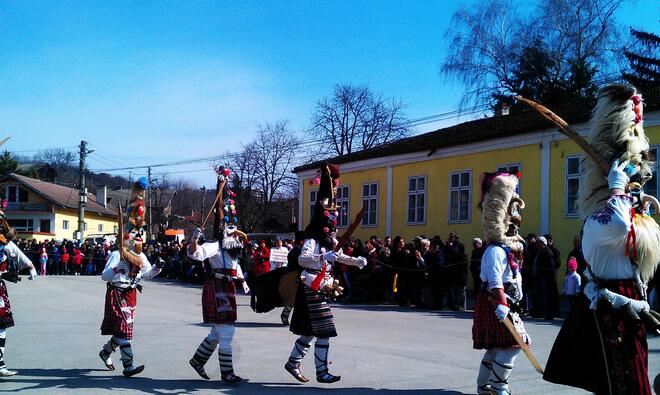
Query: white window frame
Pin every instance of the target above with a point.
(26, 228)
(371, 199)
(17, 198)
(508, 167)
(344, 206)
(416, 193)
(312, 202)
(460, 188)
(568, 177)
(100, 227)
(65, 224)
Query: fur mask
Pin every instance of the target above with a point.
(501, 210)
(616, 132)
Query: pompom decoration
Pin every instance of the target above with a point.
(334, 222)
(326, 229)
(126, 237)
(233, 212)
(226, 219)
(317, 180)
(336, 213)
(336, 182)
(326, 213)
(231, 193)
(235, 219)
(519, 174)
(4, 203)
(142, 182)
(232, 207)
(140, 210)
(230, 201)
(226, 172)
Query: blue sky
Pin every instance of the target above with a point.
(149, 82)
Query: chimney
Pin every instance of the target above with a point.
(501, 109)
(102, 195)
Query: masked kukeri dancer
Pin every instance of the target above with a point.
(12, 260)
(312, 317)
(501, 289)
(126, 268)
(219, 294)
(602, 345)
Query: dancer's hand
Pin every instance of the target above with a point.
(33, 274)
(502, 311)
(618, 177)
(197, 233)
(330, 256)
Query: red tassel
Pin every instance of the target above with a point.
(316, 284)
(631, 240)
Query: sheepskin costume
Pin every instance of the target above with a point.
(500, 208)
(616, 131)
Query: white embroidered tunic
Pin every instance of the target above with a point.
(218, 259)
(118, 271)
(311, 258)
(604, 240)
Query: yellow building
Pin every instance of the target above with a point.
(43, 210)
(430, 184)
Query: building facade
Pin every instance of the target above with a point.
(431, 184)
(43, 210)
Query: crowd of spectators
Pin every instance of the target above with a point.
(419, 273)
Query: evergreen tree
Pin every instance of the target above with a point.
(7, 164)
(644, 60)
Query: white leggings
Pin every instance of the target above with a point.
(495, 369)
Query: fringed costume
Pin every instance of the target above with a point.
(312, 316)
(602, 345)
(126, 268)
(501, 284)
(219, 293)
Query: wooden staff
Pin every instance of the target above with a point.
(524, 346)
(221, 186)
(565, 128)
(125, 255)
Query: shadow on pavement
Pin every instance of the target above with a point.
(52, 380)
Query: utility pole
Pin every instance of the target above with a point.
(82, 190)
(151, 225)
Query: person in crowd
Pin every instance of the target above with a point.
(576, 253)
(572, 281)
(280, 248)
(529, 301)
(475, 263)
(385, 257)
(545, 281)
(76, 262)
(456, 264)
(64, 261)
(54, 259)
(553, 293)
(261, 259)
(248, 263)
(374, 277)
(43, 262)
(434, 260)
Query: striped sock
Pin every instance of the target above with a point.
(225, 359)
(300, 349)
(321, 347)
(205, 350)
(3, 336)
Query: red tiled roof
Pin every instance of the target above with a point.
(60, 195)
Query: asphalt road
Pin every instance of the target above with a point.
(380, 349)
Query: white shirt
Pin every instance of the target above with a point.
(19, 258)
(219, 259)
(311, 257)
(604, 240)
(118, 271)
(495, 269)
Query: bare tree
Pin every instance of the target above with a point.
(354, 118)
(488, 42)
(61, 160)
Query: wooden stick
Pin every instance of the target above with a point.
(217, 196)
(524, 346)
(568, 131)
